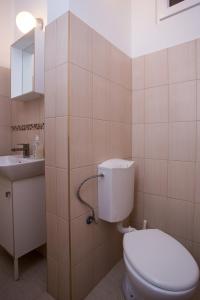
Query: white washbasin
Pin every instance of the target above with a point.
(15, 167)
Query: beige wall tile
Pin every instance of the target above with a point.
(102, 265)
(81, 248)
(138, 140)
(88, 191)
(120, 140)
(101, 140)
(52, 236)
(120, 100)
(17, 114)
(198, 99)
(51, 199)
(62, 39)
(100, 55)
(62, 100)
(50, 46)
(63, 239)
(5, 111)
(137, 215)
(155, 211)
(196, 232)
(156, 141)
(4, 82)
(63, 279)
(80, 92)
(50, 93)
(196, 254)
(52, 278)
(126, 71)
(138, 73)
(80, 43)
(18, 137)
(5, 136)
(50, 141)
(155, 177)
(156, 72)
(82, 284)
(156, 104)
(62, 142)
(120, 67)
(138, 106)
(62, 193)
(197, 185)
(182, 101)
(81, 148)
(182, 141)
(139, 174)
(182, 62)
(103, 232)
(101, 98)
(198, 142)
(198, 58)
(181, 180)
(179, 218)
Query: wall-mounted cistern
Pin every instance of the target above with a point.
(25, 149)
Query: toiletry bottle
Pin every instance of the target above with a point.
(37, 148)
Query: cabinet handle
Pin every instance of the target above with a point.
(7, 194)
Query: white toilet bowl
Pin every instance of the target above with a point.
(158, 267)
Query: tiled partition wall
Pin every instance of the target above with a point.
(88, 120)
(166, 141)
(100, 129)
(5, 112)
(56, 149)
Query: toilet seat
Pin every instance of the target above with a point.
(160, 260)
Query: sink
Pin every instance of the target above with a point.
(16, 167)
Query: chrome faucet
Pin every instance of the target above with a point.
(25, 148)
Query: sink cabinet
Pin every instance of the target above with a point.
(22, 216)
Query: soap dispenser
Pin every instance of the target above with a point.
(37, 148)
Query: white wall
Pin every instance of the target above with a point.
(6, 33)
(149, 36)
(111, 18)
(56, 8)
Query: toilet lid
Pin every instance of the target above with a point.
(161, 260)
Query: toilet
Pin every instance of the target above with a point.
(158, 267)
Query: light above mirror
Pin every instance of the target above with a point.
(26, 22)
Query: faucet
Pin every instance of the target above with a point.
(25, 148)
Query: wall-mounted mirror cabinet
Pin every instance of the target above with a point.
(27, 66)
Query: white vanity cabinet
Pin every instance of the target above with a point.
(27, 66)
(22, 216)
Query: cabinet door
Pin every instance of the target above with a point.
(6, 219)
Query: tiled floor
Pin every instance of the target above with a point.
(110, 286)
(32, 283)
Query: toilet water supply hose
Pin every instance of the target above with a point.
(92, 218)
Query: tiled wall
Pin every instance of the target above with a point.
(100, 128)
(166, 141)
(24, 113)
(56, 149)
(5, 112)
(88, 100)
(14, 113)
